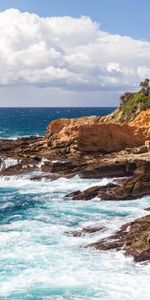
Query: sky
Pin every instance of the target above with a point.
(72, 53)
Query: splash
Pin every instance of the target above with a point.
(8, 162)
(39, 261)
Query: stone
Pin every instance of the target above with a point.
(133, 239)
(86, 230)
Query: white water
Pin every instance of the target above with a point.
(8, 162)
(39, 261)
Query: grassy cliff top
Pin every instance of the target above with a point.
(131, 108)
(132, 104)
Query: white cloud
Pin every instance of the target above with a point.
(144, 72)
(68, 53)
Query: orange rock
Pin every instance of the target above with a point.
(142, 120)
(90, 134)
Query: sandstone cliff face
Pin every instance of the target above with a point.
(141, 126)
(142, 120)
(91, 134)
(107, 138)
(62, 134)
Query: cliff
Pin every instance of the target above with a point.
(132, 104)
(93, 134)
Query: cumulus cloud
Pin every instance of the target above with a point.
(68, 53)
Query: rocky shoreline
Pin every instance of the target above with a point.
(92, 147)
(133, 239)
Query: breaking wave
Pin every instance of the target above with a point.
(39, 261)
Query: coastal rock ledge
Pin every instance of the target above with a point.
(130, 188)
(133, 238)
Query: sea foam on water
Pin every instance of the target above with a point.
(39, 260)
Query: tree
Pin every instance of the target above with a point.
(145, 87)
(125, 97)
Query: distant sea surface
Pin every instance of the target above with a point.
(38, 260)
(17, 122)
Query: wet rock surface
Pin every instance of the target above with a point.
(130, 188)
(133, 238)
(86, 230)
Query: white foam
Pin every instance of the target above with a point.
(15, 137)
(36, 255)
(8, 162)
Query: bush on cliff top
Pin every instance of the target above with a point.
(133, 103)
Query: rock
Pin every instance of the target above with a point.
(133, 238)
(130, 188)
(108, 169)
(92, 134)
(90, 193)
(50, 177)
(147, 145)
(147, 209)
(107, 138)
(88, 146)
(86, 230)
(139, 150)
(142, 120)
(58, 166)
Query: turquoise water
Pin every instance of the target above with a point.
(38, 260)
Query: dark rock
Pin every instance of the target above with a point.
(117, 169)
(85, 230)
(133, 238)
(89, 193)
(147, 209)
(126, 189)
(50, 177)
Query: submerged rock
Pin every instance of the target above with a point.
(86, 230)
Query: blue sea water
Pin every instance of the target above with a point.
(37, 259)
(16, 122)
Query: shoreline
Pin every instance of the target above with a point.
(73, 147)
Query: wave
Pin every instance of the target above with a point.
(19, 136)
(7, 162)
(39, 261)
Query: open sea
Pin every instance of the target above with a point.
(37, 259)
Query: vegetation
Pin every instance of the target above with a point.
(145, 90)
(131, 104)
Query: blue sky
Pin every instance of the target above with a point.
(73, 61)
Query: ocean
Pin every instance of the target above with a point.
(18, 122)
(38, 260)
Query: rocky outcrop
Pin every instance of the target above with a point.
(92, 134)
(133, 238)
(69, 139)
(142, 120)
(130, 188)
(86, 165)
(127, 189)
(106, 138)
